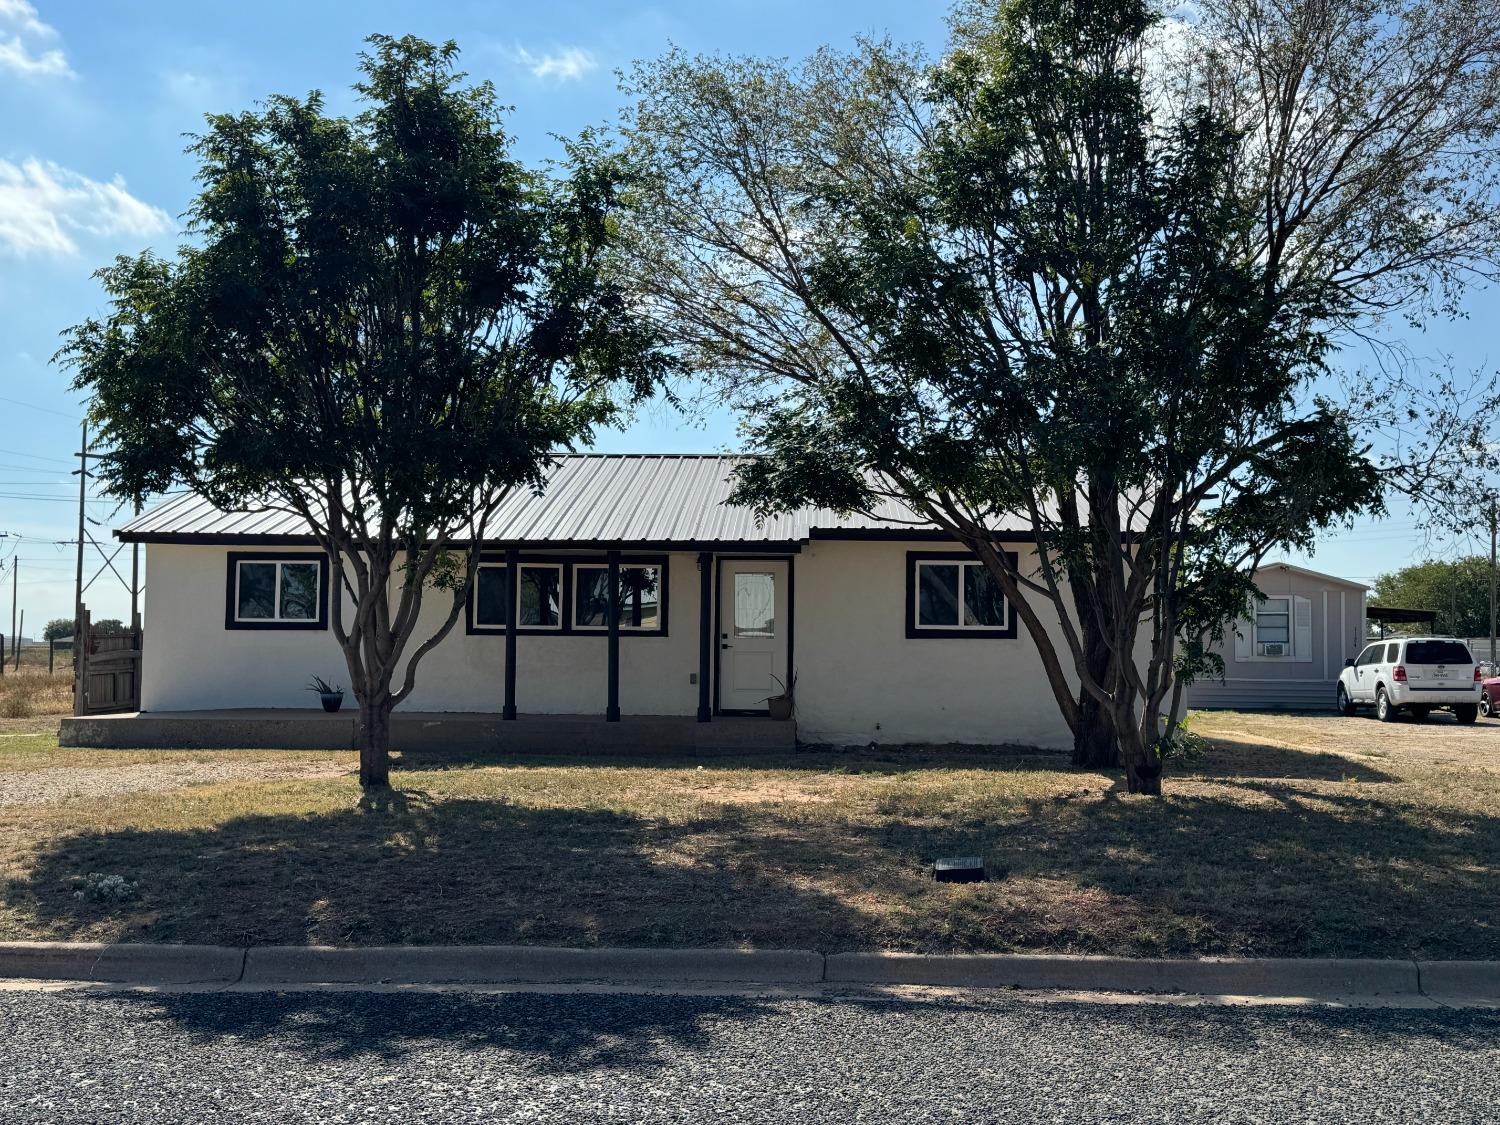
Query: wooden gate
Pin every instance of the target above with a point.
(106, 670)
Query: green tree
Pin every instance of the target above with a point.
(1458, 591)
(384, 325)
(59, 628)
(1004, 290)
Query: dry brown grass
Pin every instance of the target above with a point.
(29, 691)
(1294, 837)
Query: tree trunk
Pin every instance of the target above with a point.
(1143, 779)
(1094, 743)
(373, 739)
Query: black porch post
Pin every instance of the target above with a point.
(512, 611)
(705, 633)
(612, 711)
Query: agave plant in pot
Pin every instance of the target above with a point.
(783, 705)
(333, 697)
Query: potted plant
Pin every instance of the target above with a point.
(333, 697)
(783, 705)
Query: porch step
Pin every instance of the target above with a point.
(271, 729)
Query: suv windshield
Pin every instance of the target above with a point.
(1437, 652)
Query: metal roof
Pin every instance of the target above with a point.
(588, 498)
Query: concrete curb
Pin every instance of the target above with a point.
(1478, 980)
(133, 964)
(1217, 976)
(1312, 979)
(287, 964)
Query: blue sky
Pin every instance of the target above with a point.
(95, 99)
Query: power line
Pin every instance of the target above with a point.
(34, 406)
(35, 456)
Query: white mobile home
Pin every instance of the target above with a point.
(1289, 652)
(895, 634)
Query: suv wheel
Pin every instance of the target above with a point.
(1486, 708)
(1344, 704)
(1466, 712)
(1385, 710)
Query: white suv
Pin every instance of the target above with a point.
(1412, 674)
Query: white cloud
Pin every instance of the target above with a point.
(44, 207)
(26, 43)
(565, 64)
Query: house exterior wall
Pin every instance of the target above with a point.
(861, 679)
(192, 662)
(1305, 678)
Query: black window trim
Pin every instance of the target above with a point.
(950, 632)
(569, 587)
(232, 581)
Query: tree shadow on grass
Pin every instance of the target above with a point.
(1237, 865)
(1229, 758)
(555, 1032)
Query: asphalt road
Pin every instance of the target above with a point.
(338, 1057)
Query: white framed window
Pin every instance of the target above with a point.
(1273, 627)
(639, 597)
(539, 599)
(952, 595)
(268, 591)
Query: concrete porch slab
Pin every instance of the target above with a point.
(271, 729)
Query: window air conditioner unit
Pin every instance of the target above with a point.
(1273, 648)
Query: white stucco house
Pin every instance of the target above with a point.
(895, 634)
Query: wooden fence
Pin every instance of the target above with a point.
(106, 669)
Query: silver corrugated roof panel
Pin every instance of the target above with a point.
(593, 498)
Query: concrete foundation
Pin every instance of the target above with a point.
(466, 732)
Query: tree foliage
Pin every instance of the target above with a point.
(384, 324)
(1457, 590)
(1038, 286)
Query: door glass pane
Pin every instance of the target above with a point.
(299, 591)
(257, 592)
(937, 594)
(541, 596)
(1393, 653)
(492, 596)
(754, 604)
(984, 604)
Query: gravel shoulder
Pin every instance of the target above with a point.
(346, 1057)
(63, 783)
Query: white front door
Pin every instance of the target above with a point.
(754, 605)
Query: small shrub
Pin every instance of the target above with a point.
(109, 889)
(16, 706)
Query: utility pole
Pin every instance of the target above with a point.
(15, 632)
(1493, 539)
(83, 482)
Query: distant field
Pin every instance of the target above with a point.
(31, 691)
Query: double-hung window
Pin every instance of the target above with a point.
(1273, 627)
(954, 595)
(277, 591)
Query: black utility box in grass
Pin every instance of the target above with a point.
(959, 869)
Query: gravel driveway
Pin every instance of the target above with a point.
(453, 1057)
(62, 783)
